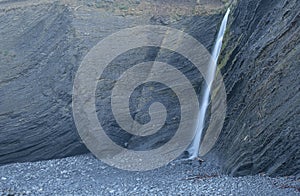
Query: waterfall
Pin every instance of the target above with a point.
(193, 150)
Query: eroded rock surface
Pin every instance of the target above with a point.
(41, 48)
(261, 72)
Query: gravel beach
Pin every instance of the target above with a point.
(85, 175)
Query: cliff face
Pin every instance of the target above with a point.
(38, 58)
(41, 47)
(261, 67)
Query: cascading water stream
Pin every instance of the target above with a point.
(193, 150)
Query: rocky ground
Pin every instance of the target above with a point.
(85, 175)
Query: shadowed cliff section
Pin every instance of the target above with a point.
(260, 65)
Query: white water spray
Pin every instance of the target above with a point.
(193, 150)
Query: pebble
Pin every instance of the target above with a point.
(96, 178)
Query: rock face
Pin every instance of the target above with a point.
(38, 61)
(40, 51)
(43, 45)
(261, 72)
